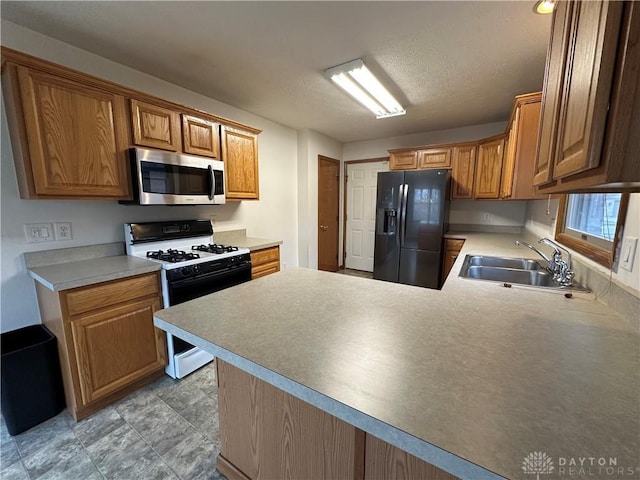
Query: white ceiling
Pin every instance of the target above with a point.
(451, 64)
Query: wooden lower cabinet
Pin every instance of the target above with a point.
(265, 262)
(267, 434)
(452, 247)
(384, 461)
(107, 343)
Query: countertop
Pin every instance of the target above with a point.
(63, 276)
(239, 238)
(472, 378)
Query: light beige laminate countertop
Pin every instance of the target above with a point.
(255, 243)
(63, 276)
(472, 378)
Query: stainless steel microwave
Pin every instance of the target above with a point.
(168, 178)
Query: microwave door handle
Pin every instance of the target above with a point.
(212, 183)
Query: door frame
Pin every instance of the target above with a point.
(337, 162)
(344, 204)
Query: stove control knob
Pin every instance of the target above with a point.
(186, 271)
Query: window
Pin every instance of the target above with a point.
(589, 223)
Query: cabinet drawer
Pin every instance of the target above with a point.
(103, 295)
(265, 255)
(265, 269)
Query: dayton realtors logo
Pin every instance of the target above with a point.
(537, 463)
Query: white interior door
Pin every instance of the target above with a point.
(362, 179)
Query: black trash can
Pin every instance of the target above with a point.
(30, 376)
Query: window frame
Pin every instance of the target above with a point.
(596, 253)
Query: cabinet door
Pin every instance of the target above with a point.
(452, 249)
(462, 172)
(588, 76)
(525, 153)
(489, 169)
(434, 158)
(385, 462)
(403, 161)
(240, 156)
(509, 164)
(77, 138)
(155, 127)
(201, 137)
(116, 346)
(556, 56)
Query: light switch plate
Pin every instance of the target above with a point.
(38, 232)
(628, 252)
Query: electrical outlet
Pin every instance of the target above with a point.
(628, 252)
(38, 232)
(486, 217)
(62, 230)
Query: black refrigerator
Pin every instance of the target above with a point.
(412, 210)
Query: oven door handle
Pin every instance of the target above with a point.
(207, 276)
(212, 183)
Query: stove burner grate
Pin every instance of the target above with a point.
(215, 248)
(172, 255)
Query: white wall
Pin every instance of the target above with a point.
(543, 225)
(378, 148)
(275, 215)
(310, 145)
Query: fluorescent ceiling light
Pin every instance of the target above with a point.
(544, 7)
(358, 81)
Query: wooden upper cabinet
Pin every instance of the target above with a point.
(155, 127)
(240, 155)
(463, 170)
(556, 55)
(489, 168)
(69, 140)
(403, 160)
(588, 76)
(434, 158)
(200, 136)
(509, 163)
(520, 150)
(588, 133)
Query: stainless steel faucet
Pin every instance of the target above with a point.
(557, 266)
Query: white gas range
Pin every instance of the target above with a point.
(192, 266)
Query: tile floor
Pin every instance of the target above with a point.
(167, 430)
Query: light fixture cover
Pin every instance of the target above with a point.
(358, 81)
(544, 7)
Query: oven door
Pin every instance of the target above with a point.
(180, 291)
(166, 178)
(185, 358)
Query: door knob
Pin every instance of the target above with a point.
(324, 228)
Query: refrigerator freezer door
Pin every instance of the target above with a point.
(386, 256)
(420, 267)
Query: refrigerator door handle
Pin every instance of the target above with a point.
(404, 189)
(399, 213)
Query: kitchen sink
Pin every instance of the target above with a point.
(538, 278)
(503, 262)
(519, 271)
